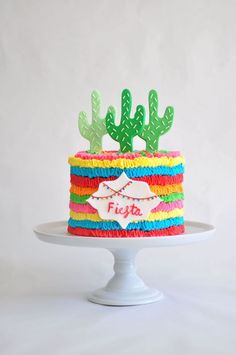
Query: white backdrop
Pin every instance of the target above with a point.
(52, 54)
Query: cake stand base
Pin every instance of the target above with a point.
(125, 288)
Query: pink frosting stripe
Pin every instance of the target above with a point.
(163, 206)
(83, 208)
(111, 155)
(168, 206)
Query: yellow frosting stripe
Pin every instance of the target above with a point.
(167, 189)
(161, 215)
(126, 163)
(157, 189)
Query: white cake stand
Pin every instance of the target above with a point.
(125, 288)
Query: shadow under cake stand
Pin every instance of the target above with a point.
(125, 288)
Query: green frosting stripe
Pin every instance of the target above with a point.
(168, 198)
(172, 197)
(79, 199)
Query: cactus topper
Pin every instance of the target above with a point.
(157, 126)
(128, 127)
(95, 131)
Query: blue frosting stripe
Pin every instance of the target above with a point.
(143, 225)
(130, 172)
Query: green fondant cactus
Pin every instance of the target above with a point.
(95, 131)
(129, 127)
(157, 126)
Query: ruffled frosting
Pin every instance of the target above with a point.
(163, 171)
(163, 206)
(126, 163)
(130, 172)
(150, 180)
(169, 198)
(111, 155)
(160, 215)
(143, 225)
(174, 230)
(157, 189)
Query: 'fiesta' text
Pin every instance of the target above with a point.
(125, 211)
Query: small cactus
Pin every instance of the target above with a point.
(129, 127)
(95, 131)
(157, 126)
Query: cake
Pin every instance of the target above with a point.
(126, 193)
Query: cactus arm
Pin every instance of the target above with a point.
(166, 122)
(112, 129)
(138, 120)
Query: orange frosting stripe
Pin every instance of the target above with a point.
(82, 190)
(157, 189)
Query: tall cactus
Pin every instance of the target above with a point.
(157, 126)
(129, 127)
(95, 131)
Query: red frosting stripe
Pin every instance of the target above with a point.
(83, 232)
(151, 180)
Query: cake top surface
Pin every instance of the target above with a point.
(128, 127)
(113, 154)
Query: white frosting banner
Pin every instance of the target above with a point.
(124, 200)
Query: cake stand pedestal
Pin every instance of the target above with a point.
(125, 288)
